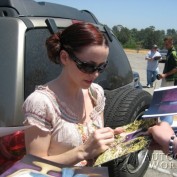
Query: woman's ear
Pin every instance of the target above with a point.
(64, 57)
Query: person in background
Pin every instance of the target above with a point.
(169, 75)
(67, 112)
(152, 57)
(166, 141)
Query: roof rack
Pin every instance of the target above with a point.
(19, 8)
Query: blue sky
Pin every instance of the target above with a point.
(140, 14)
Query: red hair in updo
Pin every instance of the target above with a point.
(74, 38)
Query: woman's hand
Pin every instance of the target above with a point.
(98, 142)
(118, 130)
(161, 134)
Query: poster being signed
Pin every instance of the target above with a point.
(133, 139)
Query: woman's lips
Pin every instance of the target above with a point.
(88, 81)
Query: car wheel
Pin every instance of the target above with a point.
(123, 106)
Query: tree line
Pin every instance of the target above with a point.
(144, 38)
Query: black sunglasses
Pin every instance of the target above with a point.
(86, 67)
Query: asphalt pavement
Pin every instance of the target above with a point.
(160, 165)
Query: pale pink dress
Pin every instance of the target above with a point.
(44, 109)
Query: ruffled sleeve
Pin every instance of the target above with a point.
(97, 94)
(38, 111)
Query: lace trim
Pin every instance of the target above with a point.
(65, 112)
(98, 99)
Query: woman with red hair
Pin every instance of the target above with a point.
(67, 112)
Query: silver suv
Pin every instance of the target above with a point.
(24, 26)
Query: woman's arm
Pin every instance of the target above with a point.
(38, 142)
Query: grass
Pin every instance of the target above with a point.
(144, 51)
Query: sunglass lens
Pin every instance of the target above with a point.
(88, 69)
(92, 68)
(102, 67)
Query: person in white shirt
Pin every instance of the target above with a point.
(152, 57)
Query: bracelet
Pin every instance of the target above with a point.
(171, 147)
(174, 154)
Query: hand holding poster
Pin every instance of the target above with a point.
(133, 139)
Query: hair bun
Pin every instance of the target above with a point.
(53, 47)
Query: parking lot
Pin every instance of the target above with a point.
(161, 165)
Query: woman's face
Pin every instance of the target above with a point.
(82, 75)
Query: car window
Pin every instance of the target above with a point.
(38, 68)
(118, 72)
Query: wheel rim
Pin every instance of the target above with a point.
(136, 160)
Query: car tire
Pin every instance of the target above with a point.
(123, 106)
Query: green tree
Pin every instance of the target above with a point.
(123, 34)
(144, 38)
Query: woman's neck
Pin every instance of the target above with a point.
(65, 89)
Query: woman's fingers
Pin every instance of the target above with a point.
(118, 130)
(105, 133)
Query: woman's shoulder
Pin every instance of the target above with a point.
(40, 97)
(39, 94)
(97, 92)
(38, 109)
(96, 88)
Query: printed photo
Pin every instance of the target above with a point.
(32, 166)
(164, 102)
(133, 139)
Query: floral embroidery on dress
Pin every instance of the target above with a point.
(86, 130)
(83, 134)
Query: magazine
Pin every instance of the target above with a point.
(33, 166)
(133, 139)
(164, 102)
